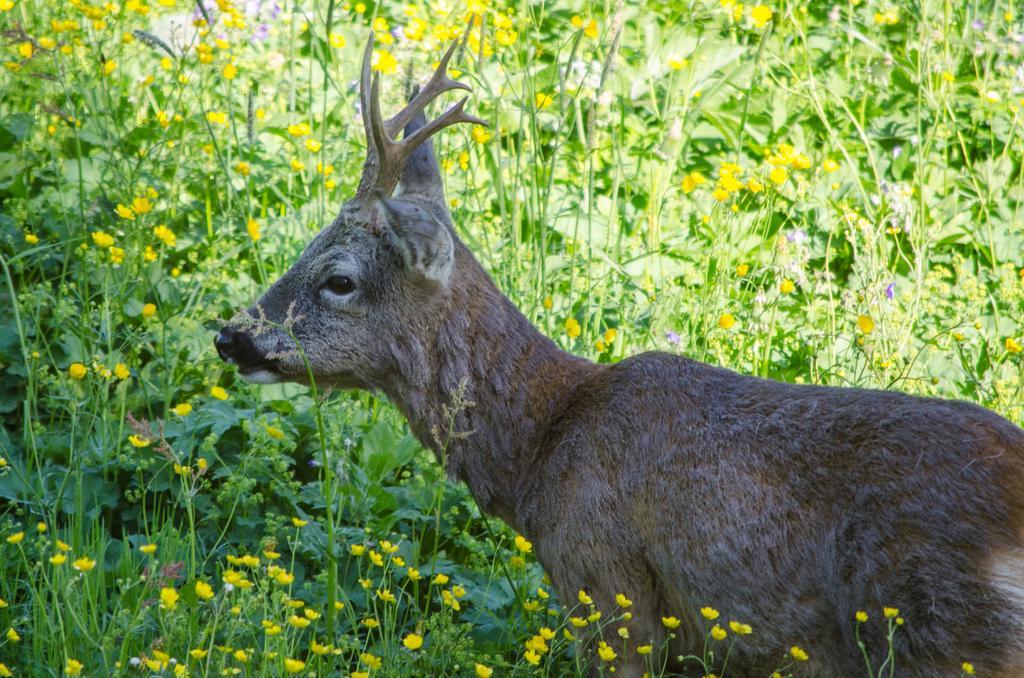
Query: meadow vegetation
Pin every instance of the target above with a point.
(812, 192)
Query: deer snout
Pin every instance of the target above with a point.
(234, 346)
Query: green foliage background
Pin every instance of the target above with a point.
(811, 192)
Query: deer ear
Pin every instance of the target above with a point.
(421, 177)
(425, 242)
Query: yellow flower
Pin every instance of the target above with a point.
(644, 649)
(31, 238)
(830, 165)
(16, 538)
(531, 657)
(84, 564)
(143, 206)
(219, 393)
(73, 667)
(1013, 347)
(761, 15)
(967, 668)
(622, 601)
(109, 67)
(121, 371)
(253, 228)
(778, 175)
(241, 656)
(584, 598)
(12, 635)
(217, 117)
(692, 180)
(865, 324)
(480, 134)
(298, 622)
(413, 641)
(294, 665)
(384, 62)
(371, 660)
(165, 235)
(284, 578)
(481, 671)
(77, 370)
(386, 595)
(4, 671)
(138, 441)
(148, 310)
(890, 612)
(670, 622)
(717, 632)
(578, 622)
(542, 100)
(182, 409)
(168, 598)
(103, 239)
(677, 63)
(861, 616)
(798, 654)
(572, 328)
(337, 40)
(441, 579)
(62, 546)
(204, 590)
(299, 522)
(148, 549)
(740, 629)
(591, 30)
(726, 321)
(229, 72)
(197, 653)
(522, 544)
(605, 652)
(25, 50)
(787, 286)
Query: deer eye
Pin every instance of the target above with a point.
(340, 284)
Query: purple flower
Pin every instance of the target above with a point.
(261, 33)
(796, 236)
(978, 25)
(890, 290)
(672, 337)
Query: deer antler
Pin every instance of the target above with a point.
(386, 157)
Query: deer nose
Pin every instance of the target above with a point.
(226, 341)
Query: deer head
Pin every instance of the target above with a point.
(376, 278)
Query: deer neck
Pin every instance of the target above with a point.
(485, 394)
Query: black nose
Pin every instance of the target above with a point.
(226, 342)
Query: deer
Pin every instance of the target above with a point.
(676, 483)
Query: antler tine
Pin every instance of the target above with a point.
(452, 116)
(438, 84)
(371, 168)
(381, 139)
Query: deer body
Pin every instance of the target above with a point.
(676, 483)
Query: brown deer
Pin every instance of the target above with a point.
(677, 483)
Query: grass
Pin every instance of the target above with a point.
(813, 193)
